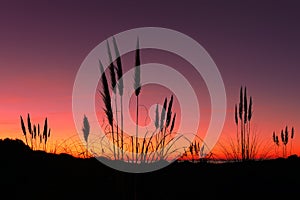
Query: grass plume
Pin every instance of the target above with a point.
(23, 129)
(86, 132)
(107, 101)
(119, 71)
(113, 82)
(36, 138)
(137, 87)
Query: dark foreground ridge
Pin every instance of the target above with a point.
(36, 174)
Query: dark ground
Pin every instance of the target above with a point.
(25, 173)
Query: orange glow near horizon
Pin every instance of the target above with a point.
(55, 103)
(62, 127)
(39, 80)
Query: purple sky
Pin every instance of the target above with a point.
(43, 43)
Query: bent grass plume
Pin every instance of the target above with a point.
(23, 129)
(107, 101)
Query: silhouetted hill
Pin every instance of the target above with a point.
(9, 147)
(37, 174)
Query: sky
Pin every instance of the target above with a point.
(253, 43)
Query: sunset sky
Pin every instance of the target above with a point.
(254, 44)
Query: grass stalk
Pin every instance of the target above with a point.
(119, 71)
(107, 101)
(137, 87)
(114, 89)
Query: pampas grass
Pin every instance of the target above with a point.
(161, 142)
(24, 129)
(284, 134)
(107, 101)
(113, 82)
(244, 115)
(137, 87)
(36, 138)
(292, 137)
(119, 71)
(86, 132)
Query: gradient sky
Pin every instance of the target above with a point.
(43, 43)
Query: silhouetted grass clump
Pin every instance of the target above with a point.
(37, 138)
(243, 117)
(285, 138)
(155, 145)
(247, 145)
